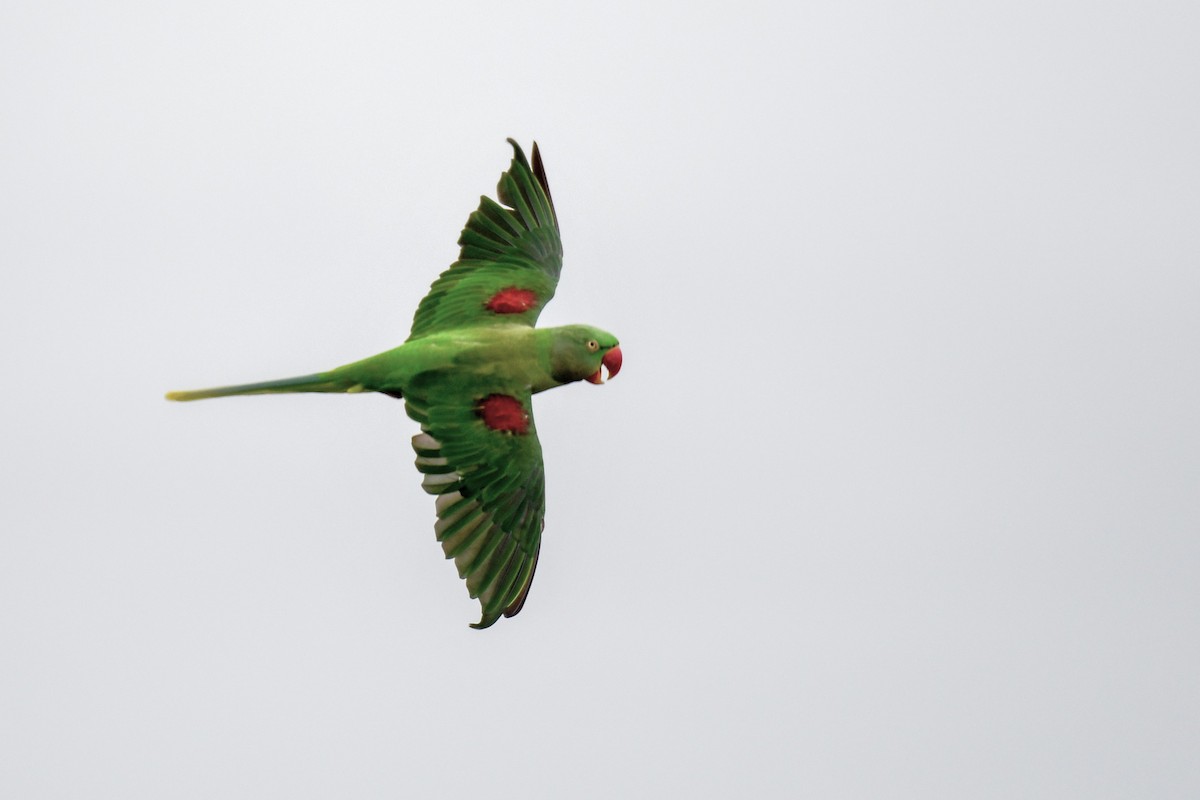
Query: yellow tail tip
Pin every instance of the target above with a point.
(176, 395)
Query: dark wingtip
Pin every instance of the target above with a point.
(539, 172)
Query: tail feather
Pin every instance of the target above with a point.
(320, 382)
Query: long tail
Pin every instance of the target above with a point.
(320, 382)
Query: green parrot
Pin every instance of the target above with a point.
(467, 374)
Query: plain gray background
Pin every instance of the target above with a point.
(897, 495)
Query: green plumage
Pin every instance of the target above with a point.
(467, 374)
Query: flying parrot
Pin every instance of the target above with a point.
(467, 374)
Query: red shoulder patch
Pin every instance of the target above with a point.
(511, 300)
(501, 412)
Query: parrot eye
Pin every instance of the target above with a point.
(593, 345)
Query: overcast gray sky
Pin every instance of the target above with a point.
(897, 494)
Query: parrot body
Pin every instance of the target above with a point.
(467, 374)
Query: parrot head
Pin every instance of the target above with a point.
(582, 353)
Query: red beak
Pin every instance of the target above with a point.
(611, 362)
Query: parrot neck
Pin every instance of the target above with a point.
(545, 377)
(558, 358)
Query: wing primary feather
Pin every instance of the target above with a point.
(464, 544)
(417, 413)
(499, 215)
(485, 622)
(531, 518)
(519, 603)
(483, 232)
(448, 502)
(539, 172)
(534, 197)
(511, 510)
(439, 483)
(451, 531)
(447, 524)
(514, 197)
(502, 486)
(502, 597)
(486, 226)
(483, 557)
(433, 466)
(495, 565)
(476, 246)
(424, 442)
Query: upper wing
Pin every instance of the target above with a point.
(511, 255)
(481, 456)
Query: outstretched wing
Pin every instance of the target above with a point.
(509, 261)
(480, 455)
